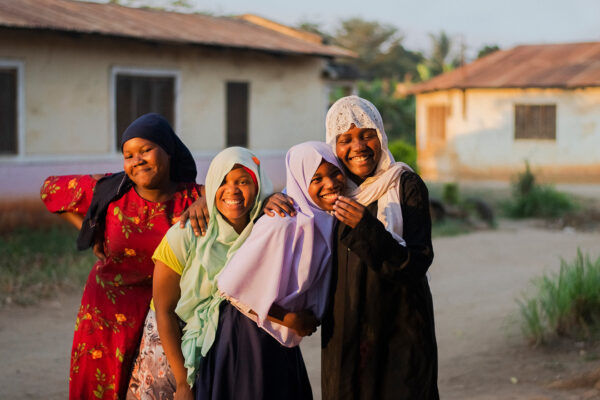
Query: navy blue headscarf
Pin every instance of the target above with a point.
(153, 127)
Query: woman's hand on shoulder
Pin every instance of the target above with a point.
(279, 203)
(348, 211)
(303, 322)
(197, 213)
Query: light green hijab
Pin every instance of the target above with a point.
(205, 256)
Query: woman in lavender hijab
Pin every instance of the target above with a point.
(285, 264)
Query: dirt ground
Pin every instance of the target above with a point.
(475, 280)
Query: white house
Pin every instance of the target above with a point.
(535, 103)
(73, 75)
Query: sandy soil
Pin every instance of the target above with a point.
(475, 280)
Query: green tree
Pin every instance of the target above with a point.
(314, 27)
(379, 49)
(398, 113)
(487, 49)
(438, 61)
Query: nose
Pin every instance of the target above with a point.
(232, 189)
(138, 159)
(328, 182)
(357, 144)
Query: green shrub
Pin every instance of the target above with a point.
(37, 263)
(541, 201)
(532, 200)
(566, 303)
(404, 152)
(451, 193)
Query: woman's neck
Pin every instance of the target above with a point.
(157, 195)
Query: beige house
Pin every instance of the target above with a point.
(538, 103)
(73, 75)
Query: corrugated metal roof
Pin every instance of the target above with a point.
(154, 25)
(570, 65)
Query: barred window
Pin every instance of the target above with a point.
(535, 121)
(137, 95)
(437, 116)
(237, 113)
(8, 111)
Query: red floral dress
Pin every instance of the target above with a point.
(117, 294)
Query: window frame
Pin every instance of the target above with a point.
(142, 72)
(544, 139)
(446, 111)
(20, 106)
(248, 87)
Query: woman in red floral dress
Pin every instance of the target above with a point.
(126, 216)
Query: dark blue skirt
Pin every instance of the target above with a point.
(245, 362)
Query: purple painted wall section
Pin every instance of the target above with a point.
(20, 179)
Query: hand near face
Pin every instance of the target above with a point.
(348, 211)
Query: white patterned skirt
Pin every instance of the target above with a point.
(151, 377)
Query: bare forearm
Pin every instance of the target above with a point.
(170, 336)
(74, 219)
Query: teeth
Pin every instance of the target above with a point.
(232, 202)
(363, 158)
(330, 196)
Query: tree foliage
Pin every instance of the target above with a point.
(487, 49)
(379, 49)
(398, 113)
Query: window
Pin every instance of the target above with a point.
(8, 111)
(535, 121)
(436, 122)
(237, 113)
(137, 94)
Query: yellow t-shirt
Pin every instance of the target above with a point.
(165, 254)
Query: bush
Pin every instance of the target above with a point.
(404, 152)
(451, 193)
(533, 200)
(566, 303)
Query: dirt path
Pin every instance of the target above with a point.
(475, 279)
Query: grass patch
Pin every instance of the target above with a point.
(450, 227)
(35, 264)
(564, 304)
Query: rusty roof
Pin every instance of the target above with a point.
(154, 25)
(569, 66)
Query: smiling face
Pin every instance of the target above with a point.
(146, 163)
(326, 185)
(235, 197)
(360, 150)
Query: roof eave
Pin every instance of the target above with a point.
(338, 53)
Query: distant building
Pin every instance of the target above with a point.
(539, 103)
(73, 75)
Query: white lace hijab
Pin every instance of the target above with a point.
(384, 185)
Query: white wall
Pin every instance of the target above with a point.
(67, 100)
(480, 134)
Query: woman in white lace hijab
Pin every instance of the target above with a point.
(378, 334)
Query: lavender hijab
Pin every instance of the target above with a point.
(286, 260)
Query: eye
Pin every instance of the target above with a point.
(315, 179)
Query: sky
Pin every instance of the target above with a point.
(474, 23)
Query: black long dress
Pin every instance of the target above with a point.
(378, 335)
